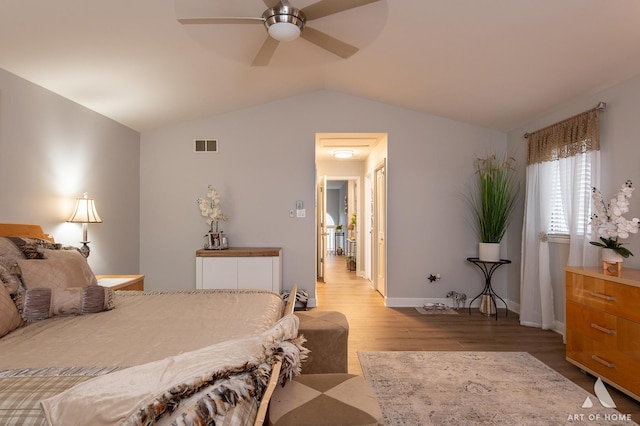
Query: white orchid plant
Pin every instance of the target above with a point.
(210, 208)
(609, 222)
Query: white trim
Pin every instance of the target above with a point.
(406, 302)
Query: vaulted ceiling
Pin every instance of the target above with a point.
(494, 63)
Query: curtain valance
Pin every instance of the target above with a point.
(575, 135)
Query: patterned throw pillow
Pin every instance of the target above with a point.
(42, 303)
(31, 248)
(9, 272)
(67, 269)
(8, 250)
(9, 316)
(9, 275)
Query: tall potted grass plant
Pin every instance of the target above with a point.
(492, 200)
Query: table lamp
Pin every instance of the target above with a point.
(85, 213)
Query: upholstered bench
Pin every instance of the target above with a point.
(324, 399)
(327, 334)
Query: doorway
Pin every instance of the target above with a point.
(358, 178)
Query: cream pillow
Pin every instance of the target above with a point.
(9, 316)
(67, 269)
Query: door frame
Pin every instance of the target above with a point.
(379, 260)
(321, 226)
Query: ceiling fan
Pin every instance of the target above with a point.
(284, 22)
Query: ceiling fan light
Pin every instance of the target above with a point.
(284, 31)
(343, 153)
(284, 23)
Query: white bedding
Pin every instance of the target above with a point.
(142, 328)
(117, 398)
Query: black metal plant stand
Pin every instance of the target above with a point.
(488, 268)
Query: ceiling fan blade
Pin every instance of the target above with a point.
(333, 45)
(265, 53)
(329, 7)
(189, 21)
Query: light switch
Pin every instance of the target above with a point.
(301, 213)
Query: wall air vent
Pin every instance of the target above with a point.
(205, 145)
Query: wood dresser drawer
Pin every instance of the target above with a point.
(603, 327)
(605, 343)
(599, 293)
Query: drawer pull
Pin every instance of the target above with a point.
(603, 296)
(603, 329)
(602, 361)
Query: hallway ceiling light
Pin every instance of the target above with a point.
(343, 153)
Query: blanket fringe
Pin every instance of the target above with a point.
(224, 388)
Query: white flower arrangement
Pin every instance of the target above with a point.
(609, 222)
(210, 208)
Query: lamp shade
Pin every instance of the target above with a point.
(85, 211)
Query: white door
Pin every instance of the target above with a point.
(321, 215)
(380, 225)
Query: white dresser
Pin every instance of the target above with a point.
(240, 267)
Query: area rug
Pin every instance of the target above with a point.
(436, 309)
(478, 388)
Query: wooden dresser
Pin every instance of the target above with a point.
(603, 325)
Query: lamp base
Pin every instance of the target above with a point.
(85, 250)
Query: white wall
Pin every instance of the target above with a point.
(51, 151)
(266, 163)
(620, 154)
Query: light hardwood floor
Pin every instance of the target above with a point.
(373, 327)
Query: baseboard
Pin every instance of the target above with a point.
(408, 302)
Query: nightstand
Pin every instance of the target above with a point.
(122, 282)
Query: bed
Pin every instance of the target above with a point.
(79, 353)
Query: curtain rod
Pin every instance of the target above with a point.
(601, 106)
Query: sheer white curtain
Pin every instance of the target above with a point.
(578, 175)
(536, 293)
(563, 164)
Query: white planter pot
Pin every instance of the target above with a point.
(611, 256)
(489, 252)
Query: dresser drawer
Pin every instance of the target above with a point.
(615, 298)
(584, 290)
(627, 300)
(604, 343)
(604, 331)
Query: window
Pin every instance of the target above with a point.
(578, 178)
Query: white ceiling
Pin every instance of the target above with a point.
(494, 63)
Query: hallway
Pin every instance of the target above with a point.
(373, 327)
